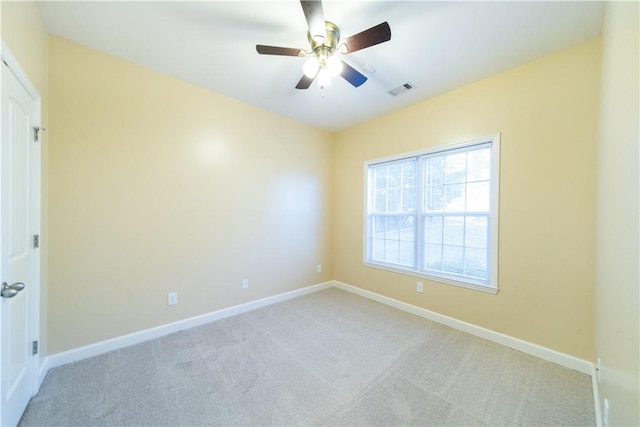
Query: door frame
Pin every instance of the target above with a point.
(35, 154)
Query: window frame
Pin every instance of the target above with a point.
(494, 209)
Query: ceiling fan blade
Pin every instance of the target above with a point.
(315, 19)
(371, 37)
(351, 75)
(276, 50)
(304, 82)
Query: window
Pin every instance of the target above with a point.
(434, 213)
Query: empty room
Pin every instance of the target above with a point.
(328, 212)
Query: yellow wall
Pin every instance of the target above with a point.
(618, 280)
(547, 113)
(157, 186)
(25, 35)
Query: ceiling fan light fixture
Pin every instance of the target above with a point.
(311, 66)
(334, 65)
(324, 77)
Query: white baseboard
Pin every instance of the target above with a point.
(102, 347)
(544, 353)
(536, 350)
(44, 369)
(596, 395)
(541, 352)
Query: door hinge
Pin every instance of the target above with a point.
(36, 241)
(34, 348)
(36, 133)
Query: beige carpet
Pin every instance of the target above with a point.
(329, 358)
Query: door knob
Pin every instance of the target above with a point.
(11, 291)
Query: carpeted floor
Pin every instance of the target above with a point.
(329, 358)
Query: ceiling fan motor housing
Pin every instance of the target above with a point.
(327, 46)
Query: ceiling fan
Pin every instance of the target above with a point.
(324, 38)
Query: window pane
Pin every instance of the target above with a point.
(381, 201)
(392, 228)
(393, 239)
(479, 165)
(478, 196)
(454, 196)
(395, 187)
(394, 177)
(453, 230)
(409, 199)
(433, 257)
(476, 231)
(391, 249)
(380, 177)
(456, 168)
(394, 200)
(409, 174)
(434, 198)
(408, 228)
(407, 254)
(377, 249)
(378, 226)
(475, 261)
(453, 259)
(433, 229)
(409, 190)
(434, 170)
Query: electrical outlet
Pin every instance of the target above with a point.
(245, 283)
(419, 287)
(172, 298)
(319, 268)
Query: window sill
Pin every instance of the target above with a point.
(482, 288)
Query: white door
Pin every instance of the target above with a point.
(19, 216)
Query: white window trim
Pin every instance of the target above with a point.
(492, 286)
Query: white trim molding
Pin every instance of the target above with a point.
(419, 162)
(44, 370)
(536, 350)
(14, 65)
(102, 347)
(596, 395)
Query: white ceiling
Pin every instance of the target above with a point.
(437, 46)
